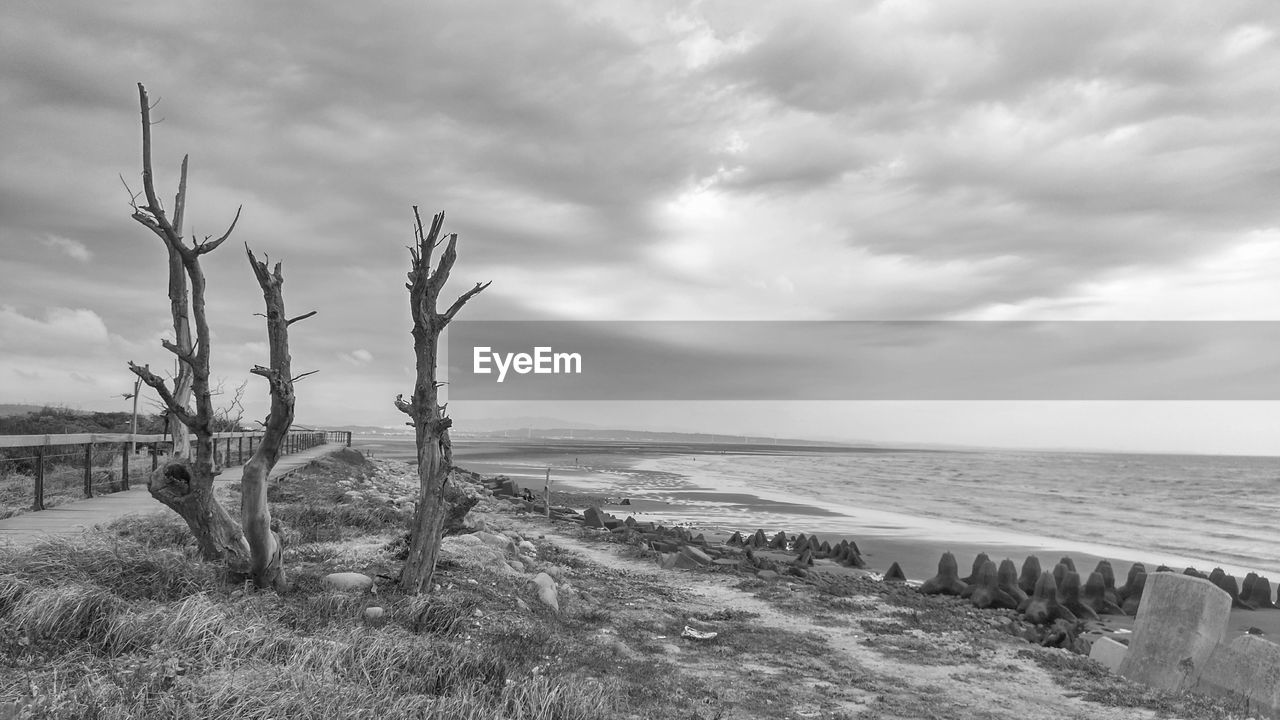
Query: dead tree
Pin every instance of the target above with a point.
(431, 426)
(186, 484)
(266, 567)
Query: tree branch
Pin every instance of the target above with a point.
(207, 246)
(462, 300)
(300, 317)
(158, 384)
(296, 378)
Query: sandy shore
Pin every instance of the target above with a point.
(583, 473)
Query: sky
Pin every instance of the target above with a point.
(608, 161)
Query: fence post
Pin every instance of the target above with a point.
(155, 456)
(124, 466)
(240, 450)
(39, 499)
(348, 438)
(88, 470)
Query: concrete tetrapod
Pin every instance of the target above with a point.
(1247, 667)
(1095, 596)
(985, 591)
(947, 581)
(1030, 574)
(977, 567)
(1043, 607)
(1069, 593)
(1181, 621)
(1007, 577)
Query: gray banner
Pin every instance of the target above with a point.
(910, 360)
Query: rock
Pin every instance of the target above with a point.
(527, 549)
(374, 615)
(546, 589)
(1042, 607)
(1069, 596)
(593, 517)
(805, 559)
(735, 540)
(767, 575)
(947, 581)
(1007, 580)
(985, 591)
(895, 574)
(347, 582)
(1030, 574)
(977, 565)
(779, 541)
(473, 552)
(501, 543)
(1094, 595)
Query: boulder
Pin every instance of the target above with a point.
(347, 582)
(767, 575)
(695, 554)
(374, 615)
(545, 587)
(947, 581)
(472, 552)
(1030, 574)
(499, 542)
(1180, 623)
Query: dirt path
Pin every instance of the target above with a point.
(914, 673)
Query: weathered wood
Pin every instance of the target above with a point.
(38, 503)
(124, 467)
(431, 426)
(266, 563)
(186, 485)
(88, 470)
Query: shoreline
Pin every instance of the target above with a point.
(914, 542)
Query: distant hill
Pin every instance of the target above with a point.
(647, 436)
(55, 421)
(11, 410)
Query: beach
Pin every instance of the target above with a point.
(719, 489)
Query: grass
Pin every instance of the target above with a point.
(129, 623)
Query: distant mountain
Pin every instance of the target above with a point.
(644, 436)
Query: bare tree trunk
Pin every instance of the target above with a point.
(265, 545)
(431, 427)
(186, 485)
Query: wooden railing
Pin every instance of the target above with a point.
(87, 451)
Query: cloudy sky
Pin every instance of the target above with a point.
(648, 161)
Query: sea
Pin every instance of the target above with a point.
(1198, 510)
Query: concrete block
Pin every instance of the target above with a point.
(1108, 652)
(1247, 667)
(1180, 623)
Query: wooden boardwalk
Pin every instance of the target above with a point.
(74, 518)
